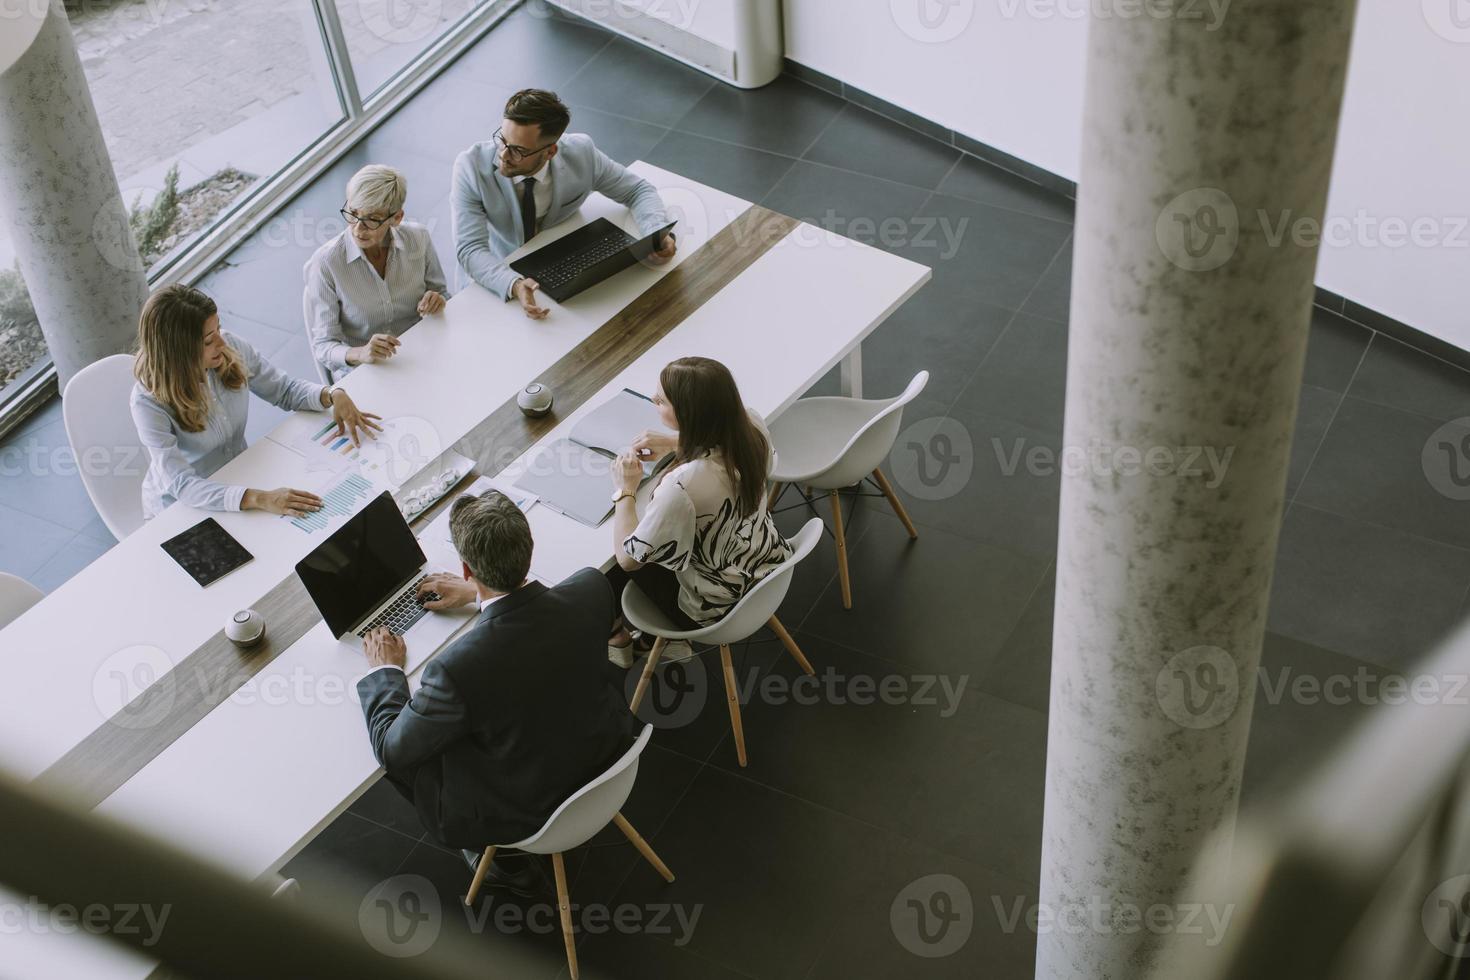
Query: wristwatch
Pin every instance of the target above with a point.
(620, 493)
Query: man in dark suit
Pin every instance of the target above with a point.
(515, 715)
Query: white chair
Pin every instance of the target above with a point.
(755, 609)
(831, 443)
(95, 407)
(16, 596)
(576, 822)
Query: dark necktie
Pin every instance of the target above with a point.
(528, 206)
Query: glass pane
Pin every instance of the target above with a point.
(21, 343)
(384, 35)
(200, 102)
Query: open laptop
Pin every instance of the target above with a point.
(366, 574)
(583, 258)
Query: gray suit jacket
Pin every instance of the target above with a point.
(487, 215)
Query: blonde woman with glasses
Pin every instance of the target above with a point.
(373, 281)
(191, 400)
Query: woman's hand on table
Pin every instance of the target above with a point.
(284, 501)
(351, 421)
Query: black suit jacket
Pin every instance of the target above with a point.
(510, 719)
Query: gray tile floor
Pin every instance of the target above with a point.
(794, 861)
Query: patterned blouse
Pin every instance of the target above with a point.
(691, 526)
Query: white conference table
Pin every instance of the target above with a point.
(263, 772)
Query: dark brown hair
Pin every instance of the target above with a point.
(712, 418)
(538, 107)
(170, 346)
(493, 537)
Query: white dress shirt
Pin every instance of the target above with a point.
(346, 301)
(542, 193)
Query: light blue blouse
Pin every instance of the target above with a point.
(179, 462)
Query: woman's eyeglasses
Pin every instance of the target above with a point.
(353, 218)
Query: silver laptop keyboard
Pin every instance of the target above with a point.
(403, 613)
(569, 268)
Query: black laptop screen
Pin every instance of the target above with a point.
(361, 564)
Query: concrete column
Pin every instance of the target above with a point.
(60, 197)
(1206, 126)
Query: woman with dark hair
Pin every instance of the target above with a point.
(705, 538)
(191, 400)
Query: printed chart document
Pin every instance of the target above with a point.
(571, 475)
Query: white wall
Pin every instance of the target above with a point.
(1010, 74)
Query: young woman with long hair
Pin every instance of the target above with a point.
(191, 400)
(705, 538)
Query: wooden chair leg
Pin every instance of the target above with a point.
(775, 495)
(481, 870)
(733, 694)
(638, 692)
(565, 904)
(842, 578)
(642, 845)
(897, 504)
(789, 644)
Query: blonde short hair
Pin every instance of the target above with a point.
(376, 188)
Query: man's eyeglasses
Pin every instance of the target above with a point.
(353, 218)
(518, 152)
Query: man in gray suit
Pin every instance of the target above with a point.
(533, 174)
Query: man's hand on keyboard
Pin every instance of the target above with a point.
(524, 291)
(453, 591)
(384, 649)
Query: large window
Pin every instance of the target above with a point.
(201, 101)
(204, 102)
(385, 35)
(21, 345)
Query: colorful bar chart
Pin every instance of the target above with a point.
(340, 499)
(327, 438)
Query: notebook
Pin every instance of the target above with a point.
(572, 475)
